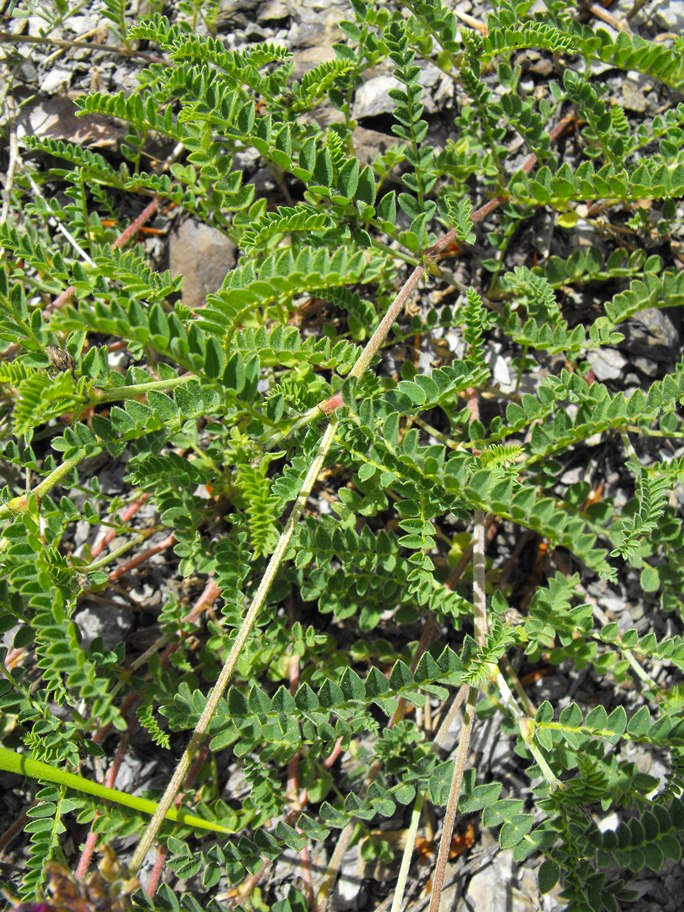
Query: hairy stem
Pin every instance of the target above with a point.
(20, 504)
(98, 396)
(479, 600)
(408, 852)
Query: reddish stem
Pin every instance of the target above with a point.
(141, 558)
(110, 782)
(157, 871)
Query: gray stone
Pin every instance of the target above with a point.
(497, 885)
(501, 373)
(633, 98)
(273, 11)
(606, 363)
(129, 774)
(55, 118)
(440, 89)
(28, 72)
(242, 10)
(651, 334)
(203, 255)
(349, 891)
(80, 25)
(308, 58)
(107, 621)
(55, 81)
(371, 144)
(669, 16)
(83, 533)
(372, 98)
(316, 23)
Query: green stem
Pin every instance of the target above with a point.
(98, 396)
(372, 347)
(123, 549)
(24, 765)
(20, 504)
(526, 730)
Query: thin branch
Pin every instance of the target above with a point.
(10, 38)
(479, 600)
(20, 504)
(407, 854)
(126, 516)
(13, 158)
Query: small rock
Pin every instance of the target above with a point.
(501, 374)
(372, 98)
(28, 72)
(606, 363)
(56, 80)
(349, 889)
(255, 32)
(82, 533)
(651, 334)
(55, 118)
(106, 621)
(315, 23)
(242, 10)
(308, 58)
(273, 11)
(371, 144)
(125, 78)
(612, 604)
(633, 98)
(36, 25)
(611, 822)
(204, 256)
(128, 776)
(669, 16)
(80, 25)
(496, 887)
(542, 67)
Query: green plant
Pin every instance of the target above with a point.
(225, 419)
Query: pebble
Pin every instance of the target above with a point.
(651, 334)
(633, 98)
(315, 24)
(501, 373)
(349, 890)
(607, 364)
(500, 884)
(372, 97)
(108, 621)
(56, 80)
(81, 25)
(274, 11)
(669, 15)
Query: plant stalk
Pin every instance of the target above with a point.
(199, 733)
(20, 504)
(479, 600)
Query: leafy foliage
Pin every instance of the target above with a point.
(193, 434)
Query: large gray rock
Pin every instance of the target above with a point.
(203, 256)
